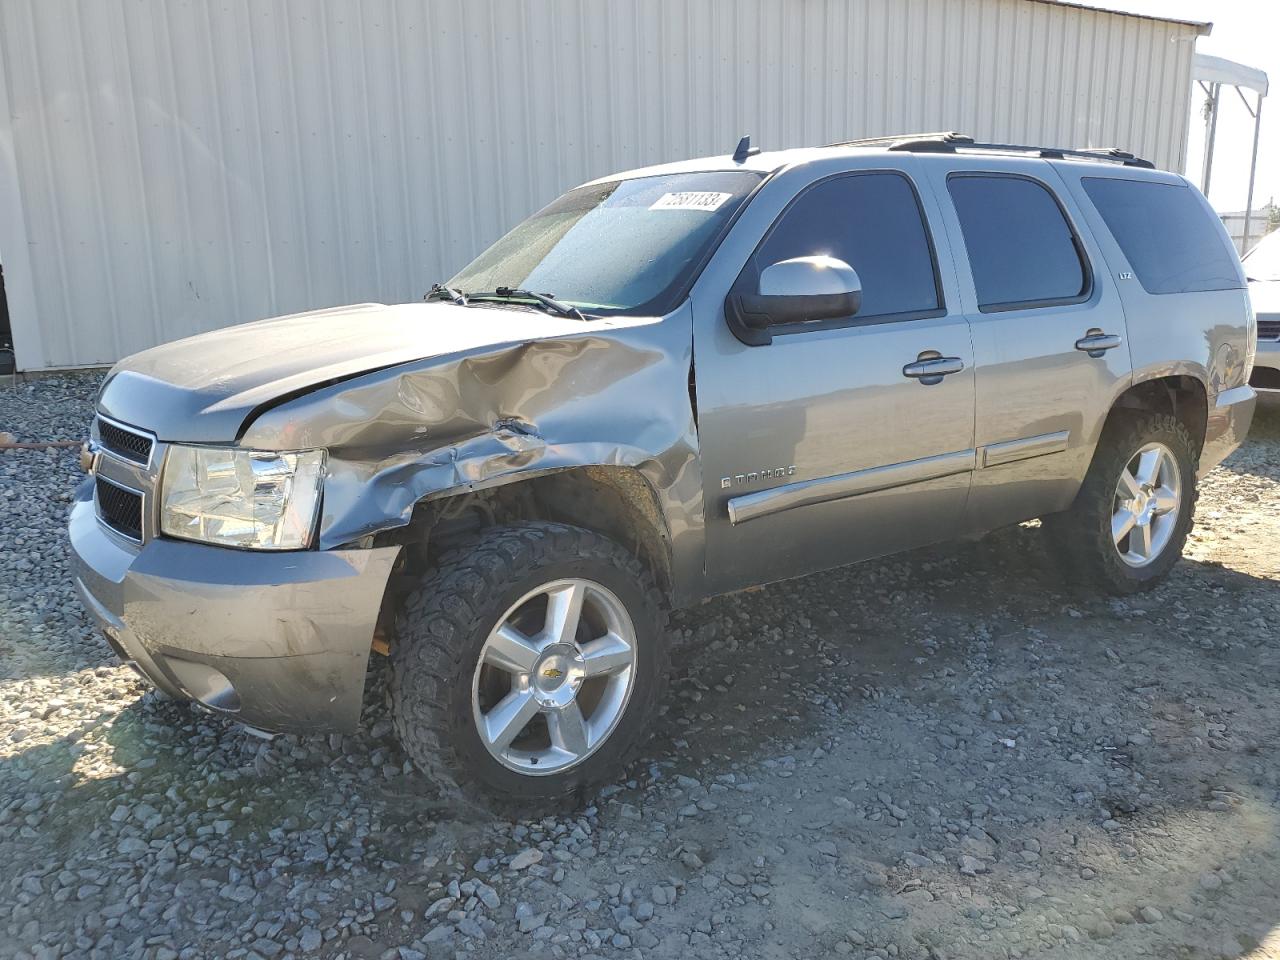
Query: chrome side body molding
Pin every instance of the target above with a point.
(994, 454)
(805, 492)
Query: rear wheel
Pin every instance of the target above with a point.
(528, 664)
(1130, 520)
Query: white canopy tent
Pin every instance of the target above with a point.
(1213, 73)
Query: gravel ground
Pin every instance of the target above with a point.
(943, 755)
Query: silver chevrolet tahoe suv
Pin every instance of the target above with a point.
(668, 384)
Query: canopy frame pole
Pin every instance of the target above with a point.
(1211, 124)
(1253, 169)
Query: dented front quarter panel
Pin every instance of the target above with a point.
(616, 394)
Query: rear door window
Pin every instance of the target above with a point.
(1022, 251)
(873, 222)
(1170, 238)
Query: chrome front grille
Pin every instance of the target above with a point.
(124, 442)
(1269, 327)
(126, 467)
(119, 507)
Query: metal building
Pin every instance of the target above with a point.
(170, 166)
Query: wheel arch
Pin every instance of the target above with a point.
(1181, 394)
(614, 501)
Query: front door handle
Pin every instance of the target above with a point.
(1095, 343)
(929, 368)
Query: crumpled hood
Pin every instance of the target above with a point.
(204, 388)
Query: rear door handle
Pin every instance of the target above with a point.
(931, 369)
(1095, 343)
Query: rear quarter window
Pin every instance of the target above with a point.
(1171, 239)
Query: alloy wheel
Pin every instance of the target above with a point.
(1148, 499)
(554, 677)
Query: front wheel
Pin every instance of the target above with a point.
(1130, 520)
(528, 665)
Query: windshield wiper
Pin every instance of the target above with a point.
(443, 291)
(551, 303)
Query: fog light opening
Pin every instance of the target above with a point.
(205, 685)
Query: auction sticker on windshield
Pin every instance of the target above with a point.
(690, 200)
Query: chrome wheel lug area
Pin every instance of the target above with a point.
(558, 675)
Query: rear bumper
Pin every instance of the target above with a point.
(1230, 414)
(279, 641)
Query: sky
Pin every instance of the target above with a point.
(1247, 31)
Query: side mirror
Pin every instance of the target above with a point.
(798, 290)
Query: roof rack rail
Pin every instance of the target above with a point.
(1114, 153)
(902, 137)
(952, 142)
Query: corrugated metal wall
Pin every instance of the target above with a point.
(169, 166)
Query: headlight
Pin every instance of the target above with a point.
(259, 499)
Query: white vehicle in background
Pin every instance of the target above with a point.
(1262, 268)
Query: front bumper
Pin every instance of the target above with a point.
(278, 641)
(1230, 414)
(1266, 371)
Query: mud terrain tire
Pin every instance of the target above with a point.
(1082, 536)
(442, 628)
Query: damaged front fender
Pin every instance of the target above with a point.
(616, 395)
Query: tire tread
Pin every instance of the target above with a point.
(434, 627)
(1080, 537)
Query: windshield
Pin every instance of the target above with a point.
(1263, 261)
(628, 246)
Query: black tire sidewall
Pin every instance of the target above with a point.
(608, 565)
(1134, 433)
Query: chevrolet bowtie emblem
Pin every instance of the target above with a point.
(551, 673)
